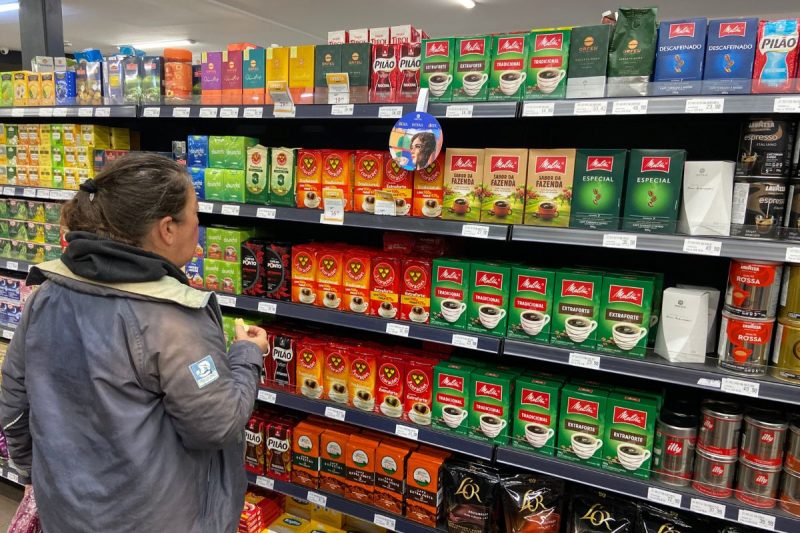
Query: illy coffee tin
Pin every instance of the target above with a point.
(674, 447)
(744, 344)
(757, 485)
(786, 351)
(765, 148)
(763, 437)
(789, 303)
(759, 207)
(790, 491)
(713, 474)
(719, 428)
(753, 288)
(793, 449)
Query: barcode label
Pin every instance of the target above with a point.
(319, 499)
(205, 207)
(664, 497)
(477, 231)
(85, 112)
(181, 112)
(714, 509)
(253, 112)
(12, 265)
(619, 240)
(401, 330)
(232, 210)
(739, 386)
(226, 301)
(151, 112)
(342, 109)
(267, 307)
(760, 520)
(265, 482)
(407, 432)
(229, 112)
(208, 112)
(385, 521)
(702, 247)
(102, 112)
(8, 334)
(266, 212)
(458, 111)
(267, 396)
(584, 360)
(465, 341)
(390, 111)
(335, 413)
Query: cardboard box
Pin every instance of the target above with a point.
(679, 56)
(530, 307)
(548, 53)
(487, 308)
(653, 190)
(257, 175)
(629, 434)
(581, 425)
(232, 77)
(549, 187)
(462, 180)
(489, 412)
(452, 396)
(254, 76)
(301, 74)
(356, 62)
(450, 294)
(597, 189)
(576, 308)
(535, 420)
(277, 68)
(626, 304)
(211, 63)
(509, 65)
(472, 68)
(282, 176)
(436, 70)
(504, 177)
(328, 59)
(730, 53)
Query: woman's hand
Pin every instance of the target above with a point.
(253, 334)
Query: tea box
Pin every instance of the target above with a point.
(277, 68)
(509, 66)
(452, 396)
(548, 53)
(368, 179)
(530, 306)
(356, 63)
(301, 74)
(390, 385)
(597, 189)
(233, 182)
(730, 52)
(629, 434)
(214, 184)
(385, 286)
(653, 190)
(588, 58)
(253, 76)
(473, 62)
(488, 304)
(624, 324)
(428, 194)
(490, 405)
(582, 424)
(450, 293)
(576, 308)
(356, 280)
(309, 178)
(463, 184)
(504, 185)
(152, 76)
(436, 71)
(549, 187)
(679, 56)
(535, 420)
(282, 169)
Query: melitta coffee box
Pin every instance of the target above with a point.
(337, 372)
(309, 368)
(490, 405)
(504, 180)
(418, 387)
(304, 274)
(629, 433)
(776, 56)
(438, 58)
(330, 263)
(588, 58)
(337, 173)
(597, 189)
(535, 420)
(576, 308)
(450, 293)
(363, 370)
(624, 321)
(581, 424)
(257, 177)
(356, 280)
(327, 58)
(653, 191)
(548, 53)
(282, 176)
(548, 196)
(509, 64)
(451, 396)
(309, 179)
(385, 283)
(730, 52)
(384, 84)
(429, 189)
(463, 184)
(472, 67)
(488, 303)
(368, 179)
(530, 305)
(415, 301)
(679, 57)
(400, 183)
(390, 385)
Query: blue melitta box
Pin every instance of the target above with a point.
(730, 53)
(679, 57)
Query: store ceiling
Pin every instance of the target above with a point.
(213, 23)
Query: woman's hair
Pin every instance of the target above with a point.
(128, 197)
(428, 140)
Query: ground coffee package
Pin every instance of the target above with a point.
(679, 60)
(654, 186)
(632, 52)
(532, 503)
(588, 59)
(656, 520)
(594, 511)
(597, 188)
(471, 492)
(730, 51)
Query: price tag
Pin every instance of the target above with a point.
(705, 105)
(792, 254)
(85, 112)
(319, 499)
(385, 521)
(102, 112)
(42, 193)
(12, 476)
(664, 497)
(232, 210)
(267, 396)
(267, 307)
(265, 482)
(338, 88)
(787, 104)
(17, 112)
(8, 334)
(465, 341)
(739, 386)
(630, 107)
(229, 112)
(407, 432)
(253, 112)
(335, 413)
(342, 109)
(702, 247)
(458, 111)
(711, 383)
(619, 240)
(283, 104)
(284, 110)
(151, 112)
(12, 265)
(9, 191)
(48, 112)
(181, 112)
(227, 301)
(384, 203)
(390, 111)
(401, 330)
(590, 108)
(29, 193)
(476, 231)
(584, 360)
(266, 212)
(760, 520)
(339, 98)
(714, 509)
(205, 207)
(208, 112)
(60, 112)
(333, 201)
(538, 109)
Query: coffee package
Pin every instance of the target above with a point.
(415, 301)
(653, 190)
(576, 308)
(368, 179)
(282, 176)
(429, 189)
(304, 274)
(531, 304)
(450, 293)
(356, 64)
(581, 426)
(359, 484)
(266, 269)
(629, 433)
(684, 327)
(533, 503)
(588, 59)
(707, 198)
(509, 67)
(597, 189)
(472, 67)
(356, 280)
(362, 383)
(301, 74)
(504, 185)
(330, 265)
(626, 303)
(472, 496)
(775, 66)
(257, 178)
(336, 372)
(327, 59)
(487, 309)
(536, 418)
(306, 454)
(390, 386)
(594, 511)
(653, 519)
(548, 195)
(309, 367)
(255, 442)
(423, 493)
(384, 85)
(632, 52)
(337, 173)
(390, 475)
(490, 405)
(438, 59)
(333, 446)
(679, 57)
(463, 184)
(400, 183)
(765, 148)
(309, 178)
(385, 286)
(730, 53)
(451, 396)
(408, 66)
(548, 53)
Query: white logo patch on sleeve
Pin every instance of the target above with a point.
(204, 371)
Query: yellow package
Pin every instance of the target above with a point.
(120, 139)
(3, 175)
(84, 174)
(84, 155)
(46, 177)
(288, 523)
(299, 508)
(20, 84)
(321, 527)
(71, 179)
(45, 156)
(3, 155)
(22, 135)
(45, 133)
(22, 176)
(97, 136)
(33, 135)
(48, 94)
(23, 158)
(2, 133)
(327, 516)
(70, 156)
(34, 88)
(33, 155)
(33, 176)
(72, 135)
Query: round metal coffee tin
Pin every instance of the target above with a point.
(719, 428)
(763, 437)
(757, 485)
(754, 288)
(790, 491)
(759, 207)
(674, 448)
(744, 344)
(793, 448)
(713, 474)
(789, 302)
(786, 352)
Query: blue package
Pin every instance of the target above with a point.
(66, 87)
(200, 251)
(194, 272)
(730, 53)
(11, 289)
(197, 151)
(679, 56)
(199, 181)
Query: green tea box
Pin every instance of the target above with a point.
(548, 53)
(215, 184)
(536, 414)
(629, 433)
(597, 189)
(231, 277)
(214, 242)
(472, 68)
(509, 62)
(576, 308)
(451, 396)
(236, 152)
(624, 322)
(216, 151)
(233, 184)
(450, 293)
(490, 406)
(436, 70)
(212, 272)
(282, 182)
(257, 175)
(588, 58)
(231, 240)
(581, 424)
(653, 191)
(488, 304)
(530, 305)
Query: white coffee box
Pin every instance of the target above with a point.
(683, 326)
(713, 314)
(707, 198)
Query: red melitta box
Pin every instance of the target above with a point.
(385, 73)
(389, 385)
(418, 386)
(415, 299)
(385, 286)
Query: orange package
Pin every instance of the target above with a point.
(336, 372)
(356, 280)
(390, 473)
(423, 495)
(429, 189)
(415, 294)
(385, 286)
(329, 277)
(306, 454)
(368, 180)
(360, 473)
(363, 368)
(333, 446)
(337, 173)
(304, 274)
(309, 179)
(309, 368)
(400, 183)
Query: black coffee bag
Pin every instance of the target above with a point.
(471, 496)
(656, 520)
(594, 511)
(532, 503)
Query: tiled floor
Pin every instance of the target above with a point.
(10, 496)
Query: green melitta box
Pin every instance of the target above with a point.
(548, 53)
(629, 433)
(450, 293)
(488, 303)
(576, 308)
(625, 314)
(509, 62)
(653, 190)
(215, 184)
(472, 68)
(530, 306)
(536, 414)
(597, 188)
(436, 70)
(282, 181)
(451, 396)
(489, 414)
(581, 425)
(233, 183)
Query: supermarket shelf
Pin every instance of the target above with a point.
(384, 424)
(6, 472)
(37, 193)
(771, 250)
(338, 503)
(475, 110)
(650, 490)
(110, 111)
(15, 265)
(320, 111)
(361, 220)
(483, 343)
(704, 376)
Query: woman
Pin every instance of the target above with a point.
(119, 399)
(423, 149)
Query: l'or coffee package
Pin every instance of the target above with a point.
(530, 307)
(588, 59)
(549, 187)
(632, 52)
(594, 511)
(576, 308)
(597, 189)
(536, 414)
(654, 185)
(504, 180)
(533, 503)
(472, 496)
(624, 321)
(629, 433)
(581, 426)
(548, 53)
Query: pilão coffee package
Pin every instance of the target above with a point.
(594, 511)
(624, 322)
(383, 87)
(548, 53)
(530, 306)
(472, 496)
(281, 372)
(473, 64)
(548, 196)
(408, 65)
(730, 52)
(509, 67)
(654, 184)
(463, 184)
(282, 176)
(597, 188)
(279, 448)
(629, 433)
(487, 309)
(581, 426)
(588, 58)
(576, 308)
(451, 396)
(504, 180)
(536, 414)
(776, 55)
(533, 502)
(680, 55)
(490, 405)
(438, 59)
(632, 52)
(450, 293)
(255, 441)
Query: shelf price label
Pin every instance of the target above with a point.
(702, 247)
(42, 193)
(458, 111)
(266, 212)
(317, 498)
(102, 112)
(208, 112)
(85, 111)
(401, 330)
(619, 240)
(584, 360)
(477, 231)
(708, 508)
(342, 110)
(229, 112)
(12, 265)
(792, 254)
(267, 396)
(8, 334)
(253, 112)
(664, 497)
(630, 107)
(760, 520)
(465, 341)
(538, 109)
(704, 105)
(335, 413)
(12, 476)
(710, 383)
(269, 308)
(9, 191)
(226, 301)
(265, 482)
(48, 112)
(740, 386)
(60, 112)
(181, 112)
(787, 104)
(390, 111)
(333, 200)
(385, 521)
(151, 112)
(590, 108)
(407, 432)
(205, 207)
(29, 193)
(232, 210)
(19, 112)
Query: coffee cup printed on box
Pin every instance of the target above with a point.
(536, 418)
(576, 308)
(438, 59)
(389, 385)
(428, 196)
(418, 386)
(486, 311)
(625, 314)
(490, 404)
(530, 305)
(549, 187)
(505, 177)
(582, 423)
(450, 293)
(509, 63)
(472, 67)
(464, 175)
(451, 396)
(629, 435)
(548, 53)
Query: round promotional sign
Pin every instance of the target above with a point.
(415, 140)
